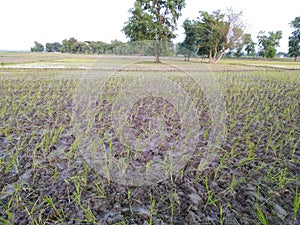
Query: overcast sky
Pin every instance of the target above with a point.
(25, 21)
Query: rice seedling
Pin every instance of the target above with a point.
(59, 213)
(210, 194)
(261, 216)
(296, 204)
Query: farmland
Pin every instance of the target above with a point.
(67, 154)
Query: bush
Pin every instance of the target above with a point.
(271, 52)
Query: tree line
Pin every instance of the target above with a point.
(211, 35)
(72, 45)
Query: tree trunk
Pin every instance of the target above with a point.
(220, 57)
(210, 56)
(160, 35)
(295, 58)
(216, 53)
(157, 60)
(157, 51)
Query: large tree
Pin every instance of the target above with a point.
(217, 33)
(153, 20)
(268, 43)
(294, 40)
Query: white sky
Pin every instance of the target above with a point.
(25, 21)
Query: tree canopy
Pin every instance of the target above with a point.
(250, 45)
(53, 47)
(38, 47)
(187, 47)
(154, 20)
(294, 40)
(268, 43)
(213, 34)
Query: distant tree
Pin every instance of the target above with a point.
(97, 47)
(294, 47)
(113, 47)
(182, 50)
(188, 46)
(211, 35)
(239, 52)
(294, 40)
(83, 48)
(269, 42)
(38, 47)
(53, 47)
(153, 20)
(271, 52)
(250, 45)
(69, 45)
(218, 33)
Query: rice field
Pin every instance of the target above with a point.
(123, 140)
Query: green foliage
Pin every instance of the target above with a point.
(38, 47)
(267, 41)
(153, 20)
(140, 25)
(271, 52)
(97, 47)
(74, 46)
(187, 47)
(250, 45)
(296, 204)
(294, 47)
(53, 47)
(113, 47)
(213, 31)
(214, 34)
(239, 53)
(69, 45)
(294, 40)
(262, 218)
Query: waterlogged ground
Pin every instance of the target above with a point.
(47, 175)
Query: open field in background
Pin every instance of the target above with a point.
(11, 58)
(44, 179)
(30, 57)
(264, 63)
